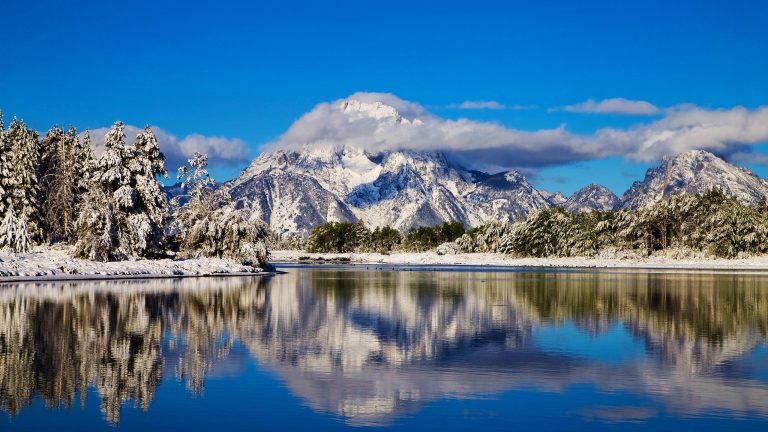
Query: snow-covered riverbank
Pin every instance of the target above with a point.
(53, 264)
(487, 259)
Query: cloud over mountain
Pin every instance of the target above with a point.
(221, 151)
(382, 121)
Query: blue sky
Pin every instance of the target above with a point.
(248, 70)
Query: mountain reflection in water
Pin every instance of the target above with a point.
(371, 346)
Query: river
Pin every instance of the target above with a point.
(341, 348)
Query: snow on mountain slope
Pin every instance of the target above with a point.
(695, 171)
(412, 189)
(592, 197)
(403, 189)
(504, 197)
(289, 203)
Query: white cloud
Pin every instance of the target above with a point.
(221, 151)
(614, 106)
(490, 105)
(724, 131)
(490, 145)
(479, 104)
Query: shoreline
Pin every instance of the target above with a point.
(45, 264)
(63, 277)
(759, 263)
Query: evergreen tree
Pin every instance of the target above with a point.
(27, 166)
(14, 235)
(149, 163)
(19, 175)
(6, 172)
(124, 211)
(423, 238)
(384, 239)
(336, 237)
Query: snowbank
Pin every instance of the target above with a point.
(501, 260)
(48, 263)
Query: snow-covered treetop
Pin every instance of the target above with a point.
(195, 175)
(146, 144)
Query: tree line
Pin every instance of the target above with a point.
(342, 237)
(54, 189)
(711, 224)
(708, 224)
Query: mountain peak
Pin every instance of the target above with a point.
(695, 171)
(375, 110)
(693, 155)
(592, 197)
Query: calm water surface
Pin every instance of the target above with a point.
(342, 348)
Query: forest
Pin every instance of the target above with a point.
(111, 206)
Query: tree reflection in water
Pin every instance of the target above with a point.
(370, 345)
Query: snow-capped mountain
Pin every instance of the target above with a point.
(592, 197)
(554, 199)
(695, 171)
(293, 191)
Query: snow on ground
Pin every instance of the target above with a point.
(489, 259)
(57, 263)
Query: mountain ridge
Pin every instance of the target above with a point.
(293, 190)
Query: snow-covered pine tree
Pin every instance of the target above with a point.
(21, 179)
(6, 171)
(149, 149)
(97, 224)
(124, 211)
(152, 206)
(14, 235)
